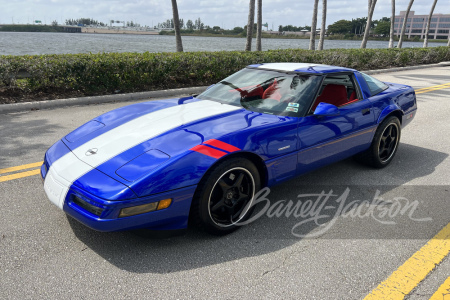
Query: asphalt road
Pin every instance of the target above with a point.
(44, 254)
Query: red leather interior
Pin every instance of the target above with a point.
(253, 91)
(273, 92)
(352, 98)
(332, 94)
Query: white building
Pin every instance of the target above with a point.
(416, 24)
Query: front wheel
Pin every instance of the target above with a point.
(384, 144)
(224, 196)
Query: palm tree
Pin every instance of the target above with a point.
(324, 21)
(400, 41)
(427, 29)
(369, 21)
(391, 32)
(176, 24)
(251, 21)
(259, 27)
(312, 39)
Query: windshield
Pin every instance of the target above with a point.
(266, 91)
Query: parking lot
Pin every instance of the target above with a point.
(344, 255)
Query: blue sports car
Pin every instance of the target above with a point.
(160, 164)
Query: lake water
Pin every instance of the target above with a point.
(21, 43)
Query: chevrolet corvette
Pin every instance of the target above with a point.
(161, 164)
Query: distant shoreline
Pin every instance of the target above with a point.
(116, 31)
(74, 29)
(121, 30)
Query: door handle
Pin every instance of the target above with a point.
(365, 111)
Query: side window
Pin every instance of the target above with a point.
(375, 86)
(337, 89)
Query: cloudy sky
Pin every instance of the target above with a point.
(224, 13)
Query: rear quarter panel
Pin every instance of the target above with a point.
(398, 98)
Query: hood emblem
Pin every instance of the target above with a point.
(92, 151)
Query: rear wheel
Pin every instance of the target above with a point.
(224, 197)
(384, 144)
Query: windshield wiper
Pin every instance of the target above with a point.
(230, 84)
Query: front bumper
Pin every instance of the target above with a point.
(103, 215)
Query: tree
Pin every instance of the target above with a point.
(199, 25)
(340, 27)
(55, 23)
(324, 24)
(167, 24)
(176, 21)
(86, 21)
(251, 21)
(259, 27)
(238, 30)
(400, 41)
(383, 28)
(190, 25)
(368, 25)
(383, 19)
(427, 29)
(358, 25)
(312, 39)
(391, 29)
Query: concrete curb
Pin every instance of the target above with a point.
(46, 104)
(36, 105)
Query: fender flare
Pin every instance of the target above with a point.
(389, 110)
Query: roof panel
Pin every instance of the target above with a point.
(303, 67)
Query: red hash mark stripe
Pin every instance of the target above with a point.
(222, 145)
(208, 151)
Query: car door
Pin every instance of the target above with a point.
(326, 139)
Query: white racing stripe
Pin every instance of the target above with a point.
(289, 67)
(69, 168)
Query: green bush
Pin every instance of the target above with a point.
(104, 73)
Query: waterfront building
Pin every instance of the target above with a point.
(416, 25)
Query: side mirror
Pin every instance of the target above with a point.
(326, 109)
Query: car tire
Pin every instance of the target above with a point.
(224, 196)
(384, 144)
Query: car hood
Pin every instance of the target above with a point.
(130, 142)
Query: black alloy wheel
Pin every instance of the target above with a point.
(230, 196)
(388, 142)
(384, 144)
(224, 196)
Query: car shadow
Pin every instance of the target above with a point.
(270, 234)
